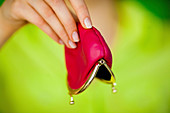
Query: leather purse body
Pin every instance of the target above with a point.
(92, 58)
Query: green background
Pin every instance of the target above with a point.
(33, 73)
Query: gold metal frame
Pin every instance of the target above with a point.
(92, 76)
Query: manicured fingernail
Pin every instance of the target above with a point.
(73, 45)
(61, 42)
(87, 23)
(75, 36)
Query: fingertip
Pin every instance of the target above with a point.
(87, 23)
(72, 44)
(61, 42)
(75, 36)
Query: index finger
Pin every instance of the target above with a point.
(82, 13)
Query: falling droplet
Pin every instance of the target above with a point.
(71, 101)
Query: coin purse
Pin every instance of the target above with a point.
(91, 59)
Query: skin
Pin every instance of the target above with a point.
(105, 18)
(51, 16)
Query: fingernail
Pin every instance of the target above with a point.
(87, 23)
(61, 42)
(73, 45)
(75, 36)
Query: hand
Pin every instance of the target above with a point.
(51, 16)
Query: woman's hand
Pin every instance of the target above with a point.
(51, 16)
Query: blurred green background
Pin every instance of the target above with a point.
(33, 73)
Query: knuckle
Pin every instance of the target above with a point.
(70, 22)
(54, 2)
(82, 7)
(63, 34)
(15, 7)
(71, 27)
(39, 22)
(49, 32)
(48, 12)
(53, 35)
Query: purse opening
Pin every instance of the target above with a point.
(104, 74)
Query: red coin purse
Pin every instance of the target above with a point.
(91, 59)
